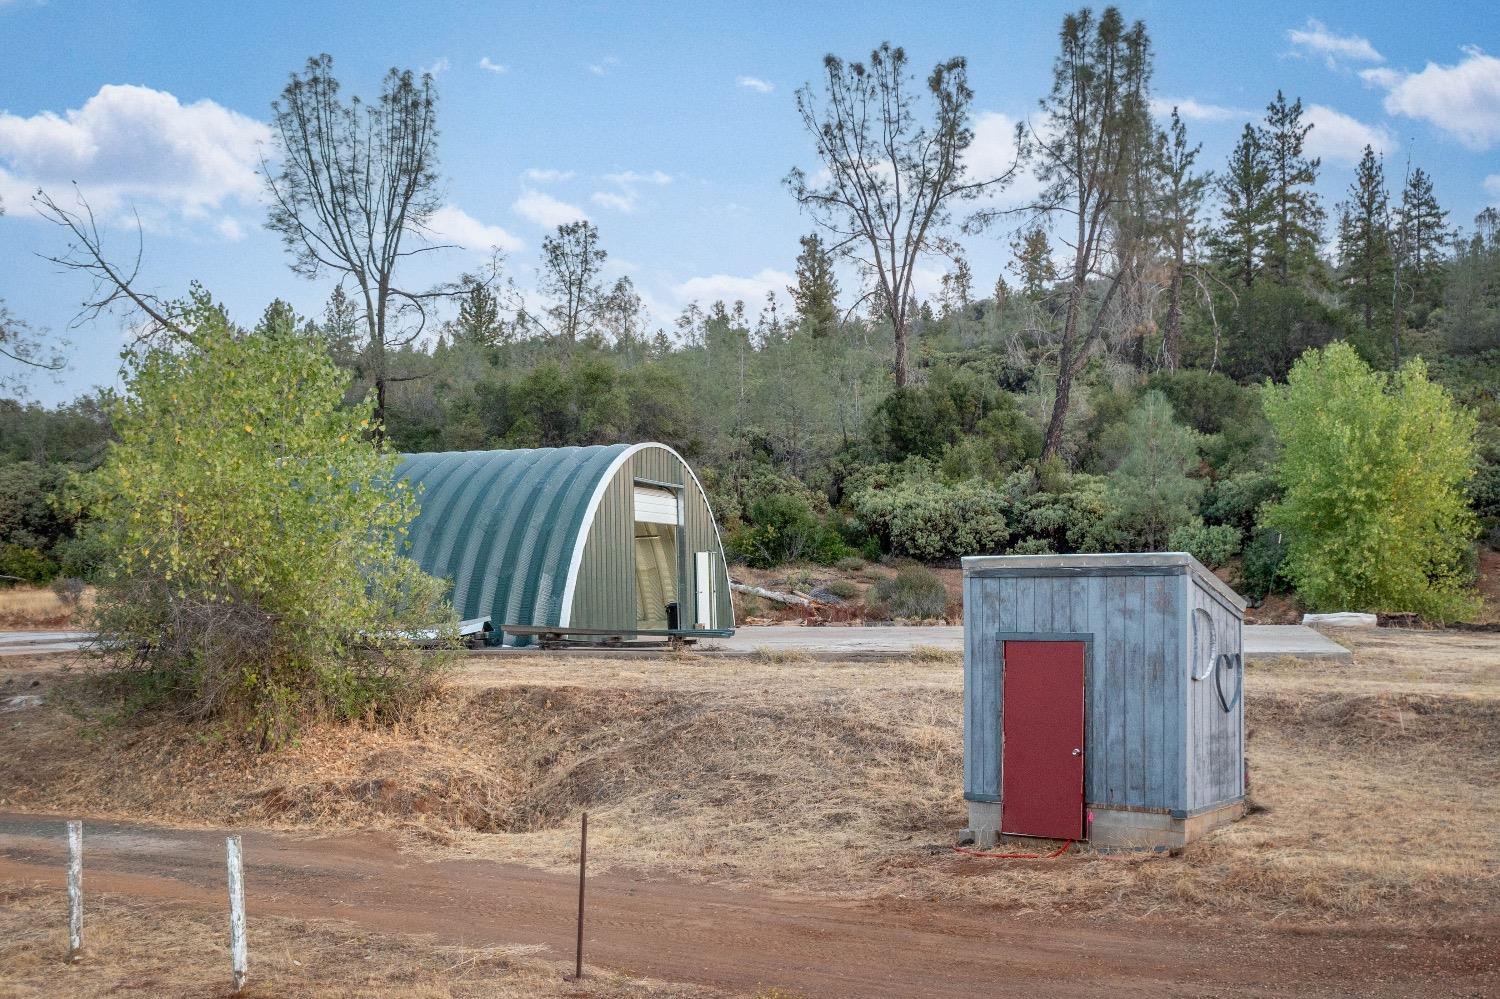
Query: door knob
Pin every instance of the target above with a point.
(1077, 752)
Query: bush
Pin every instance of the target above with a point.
(784, 529)
(255, 572)
(914, 592)
(1060, 512)
(1213, 545)
(930, 520)
(1150, 491)
(852, 563)
(1373, 467)
(1260, 570)
(842, 588)
(19, 564)
(1238, 499)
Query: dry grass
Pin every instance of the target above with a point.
(1373, 783)
(33, 608)
(153, 947)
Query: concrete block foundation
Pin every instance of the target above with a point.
(1116, 827)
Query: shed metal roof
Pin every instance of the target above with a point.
(508, 526)
(1104, 563)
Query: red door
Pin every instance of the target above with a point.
(1041, 762)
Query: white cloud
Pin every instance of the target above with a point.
(494, 67)
(230, 229)
(1462, 100)
(603, 66)
(439, 65)
(545, 210)
(451, 224)
(1338, 138)
(546, 176)
(993, 152)
(1314, 38)
(131, 144)
(754, 83)
(1492, 187)
(618, 202)
(630, 177)
(1189, 109)
(729, 288)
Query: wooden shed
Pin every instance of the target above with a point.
(1102, 698)
(616, 538)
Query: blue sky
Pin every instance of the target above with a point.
(670, 126)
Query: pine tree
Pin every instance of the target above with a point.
(1422, 241)
(1151, 492)
(815, 295)
(1181, 202)
(1032, 262)
(1239, 245)
(1365, 245)
(341, 328)
(958, 287)
(478, 320)
(1296, 215)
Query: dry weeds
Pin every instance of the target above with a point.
(152, 947)
(1374, 783)
(31, 608)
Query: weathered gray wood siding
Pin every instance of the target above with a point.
(1216, 769)
(605, 597)
(1135, 697)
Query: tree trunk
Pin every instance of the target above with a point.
(899, 332)
(1172, 330)
(1053, 439)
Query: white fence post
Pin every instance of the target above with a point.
(237, 947)
(75, 889)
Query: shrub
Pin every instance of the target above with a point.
(1238, 499)
(255, 532)
(913, 592)
(19, 564)
(842, 588)
(852, 563)
(1260, 569)
(1150, 491)
(1373, 467)
(1060, 512)
(1213, 545)
(784, 529)
(930, 520)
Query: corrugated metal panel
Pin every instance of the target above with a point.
(503, 525)
(1153, 743)
(510, 528)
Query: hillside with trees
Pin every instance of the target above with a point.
(1183, 355)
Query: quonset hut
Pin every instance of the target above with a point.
(617, 537)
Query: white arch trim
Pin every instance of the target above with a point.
(575, 563)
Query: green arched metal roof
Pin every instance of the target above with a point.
(508, 526)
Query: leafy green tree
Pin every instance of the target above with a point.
(816, 292)
(1365, 259)
(1296, 224)
(256, 574)
(1239, 244)
(1373, 467)
(1151, 491)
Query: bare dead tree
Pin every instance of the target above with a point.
(115, 286)
(21, 343)
(892, 182)
(355, 187)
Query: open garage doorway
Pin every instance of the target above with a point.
(658, 515)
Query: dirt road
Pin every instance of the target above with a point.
(745, 942)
